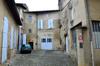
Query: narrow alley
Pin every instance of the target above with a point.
(42, 58)
(49, 33)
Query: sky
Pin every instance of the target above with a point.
(40, 5)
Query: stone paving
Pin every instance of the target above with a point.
(42, 58)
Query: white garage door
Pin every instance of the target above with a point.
(46, 44)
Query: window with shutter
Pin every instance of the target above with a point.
(30, 18)
(40, 24)
(50, 23)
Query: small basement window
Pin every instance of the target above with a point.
(30, 31)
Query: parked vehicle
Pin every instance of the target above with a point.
(26, 49)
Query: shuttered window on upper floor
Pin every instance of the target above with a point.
(40, 24)
(30, 18)
(30, 30)
(50, 23)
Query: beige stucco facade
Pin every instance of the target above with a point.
(94, 9)
(5, 12)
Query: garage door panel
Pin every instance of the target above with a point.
(43, 46)
(49, 46)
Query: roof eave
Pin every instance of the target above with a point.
(13, 10)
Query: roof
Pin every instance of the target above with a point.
(12, 7)
(23, 5)
(42, 11)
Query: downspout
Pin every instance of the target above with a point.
(36, 31)
(90, 29)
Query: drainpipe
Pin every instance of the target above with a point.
(36, 31)
(90, 30)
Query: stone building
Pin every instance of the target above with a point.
(9, 22)
(21, 7)
(30, 28)
(48, 30)
(42, 28)
(63, 14)
(83, 30)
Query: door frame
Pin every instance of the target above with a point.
(44, 45)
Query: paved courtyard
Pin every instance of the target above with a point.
(42, 58)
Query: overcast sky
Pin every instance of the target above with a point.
(39, 5)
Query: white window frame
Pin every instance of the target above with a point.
(40, 24)
(50, 23)
(30, 18)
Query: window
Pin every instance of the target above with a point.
(30, 31)
(72, 14)
(40, 24)
(30, 18)
(50, 23)
(49, 40)
(74, 37)
(43, 40)
(96, 33)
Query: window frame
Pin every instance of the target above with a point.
(50, 23)
(43, 40)
(74, 39)
(96, 33)
(49, 39)
(30, 18)
(40, 24)
(30, 30)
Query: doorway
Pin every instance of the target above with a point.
(46, 44)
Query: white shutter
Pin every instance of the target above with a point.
(50, 23)
(72, 13)
(24, 39)
(5, 29)
(38, 24)
(41, 24)
(11, 40)
(15, 39)
(5, 39)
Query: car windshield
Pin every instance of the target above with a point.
(27, 46)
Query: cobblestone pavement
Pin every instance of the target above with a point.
(42, 58)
